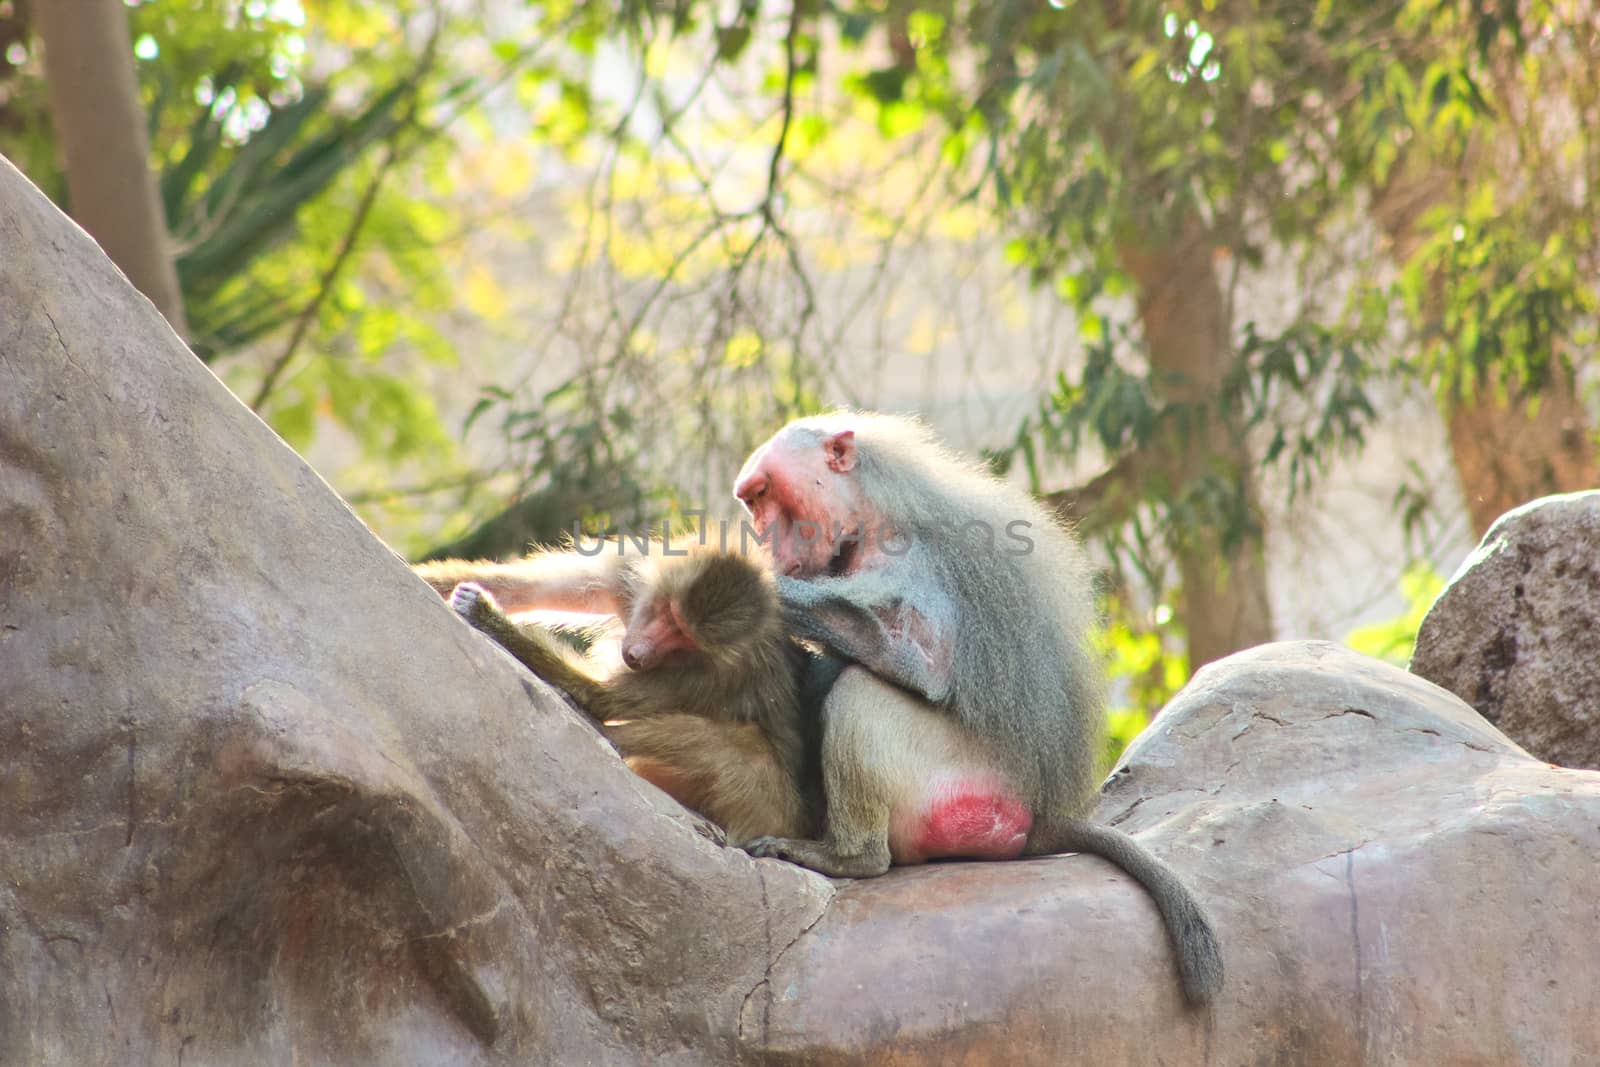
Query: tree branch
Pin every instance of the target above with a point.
(1107, 500)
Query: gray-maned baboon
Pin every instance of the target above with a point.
(709, 709)
(936, 577)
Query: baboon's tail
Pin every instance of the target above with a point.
(1199, 952)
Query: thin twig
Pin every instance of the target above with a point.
(446, 485)
(352, 235)
(308, 314)
(789, 72)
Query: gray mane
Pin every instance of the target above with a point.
(1023, 621)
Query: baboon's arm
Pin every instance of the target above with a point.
(536, 649)
(864, 618)
(547, 581)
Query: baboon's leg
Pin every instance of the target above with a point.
(728, 772)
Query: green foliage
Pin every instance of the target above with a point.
(260, 173)
(1145, 658)
(306, 208)
(1308, 386)
(1393, 639)
(581, 473)
(1502, 291)
(253, 194)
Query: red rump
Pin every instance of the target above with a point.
(971, 821)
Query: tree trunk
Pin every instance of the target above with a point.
(1507, 455)
(100, 123)
(1223, 603)
(1504, 453)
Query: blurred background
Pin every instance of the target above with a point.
(1280, 303)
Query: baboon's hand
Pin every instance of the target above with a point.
(710, 831)
(473, 602)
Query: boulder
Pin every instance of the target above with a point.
(1517, 631)
(263, 799)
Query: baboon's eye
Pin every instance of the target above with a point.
(753, 489)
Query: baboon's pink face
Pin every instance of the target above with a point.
(803, 500)
(655, 632)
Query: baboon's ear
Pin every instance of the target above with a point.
(840, 449)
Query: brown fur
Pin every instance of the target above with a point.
(716, 724)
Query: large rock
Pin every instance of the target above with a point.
(264, 800)
(1517, 632)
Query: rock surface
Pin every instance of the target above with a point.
(1516, 633)
(263, 799)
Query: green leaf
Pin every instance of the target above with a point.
(885, 86)
(855, 25)
(731, 41)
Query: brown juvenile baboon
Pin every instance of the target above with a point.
(709, 707)
(937, 578)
